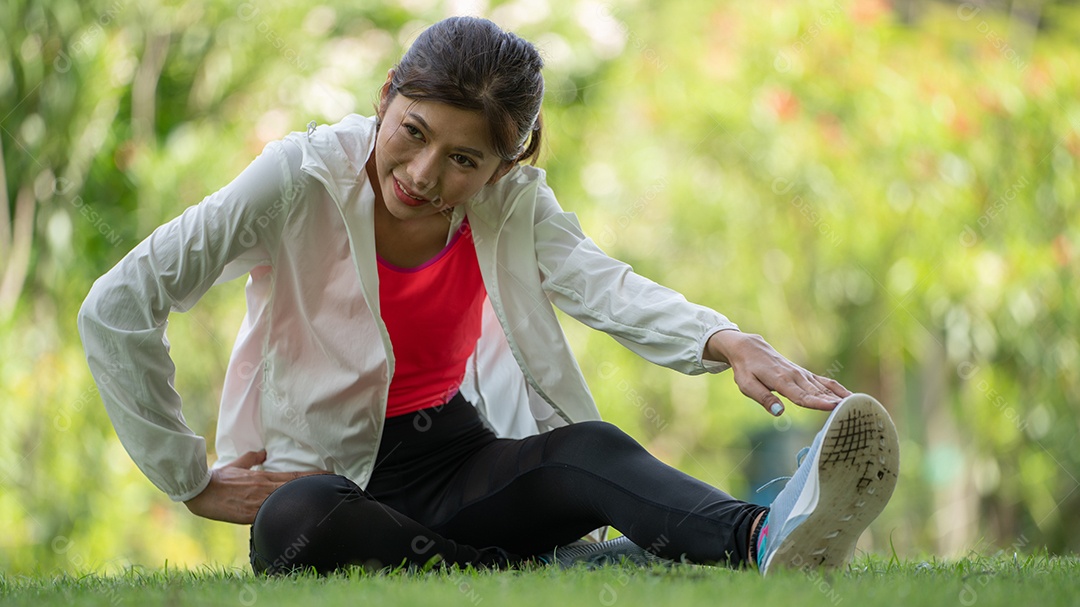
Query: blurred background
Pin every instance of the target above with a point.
(887, 192)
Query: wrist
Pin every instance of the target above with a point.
(718, 346)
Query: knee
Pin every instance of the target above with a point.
(287, 526)
(304, 498)
(592, 437)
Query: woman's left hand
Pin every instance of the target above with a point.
(760, 371)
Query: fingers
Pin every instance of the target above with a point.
(814, 394)
(752, 387)
(836, 387)
(249, 460)
(817, 402)
(235, 492)
(763, 375)
(284, 477)
(803, 388)
(797, 385)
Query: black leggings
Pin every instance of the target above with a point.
(444, 486)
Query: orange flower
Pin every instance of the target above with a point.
(867, 12)
(783, 104)
(1072, 143)
(1062, 250)
(961, 126)
(831, 130)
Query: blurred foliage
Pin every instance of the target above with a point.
(887, 194)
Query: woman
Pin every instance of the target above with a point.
(400, 389)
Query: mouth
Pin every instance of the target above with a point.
(406, 196)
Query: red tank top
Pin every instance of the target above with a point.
(432, 313)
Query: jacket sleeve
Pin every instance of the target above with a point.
(123, 319)
(657, 323)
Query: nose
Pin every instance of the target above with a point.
(424, 171)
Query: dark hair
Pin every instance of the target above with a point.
(472, 64)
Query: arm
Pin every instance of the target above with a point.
(660, 324)
(655, 322)
(122, 322)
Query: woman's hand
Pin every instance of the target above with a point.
(236, 491)
(760, 371)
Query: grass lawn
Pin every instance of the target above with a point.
(1014, 581)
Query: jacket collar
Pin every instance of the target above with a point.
(335, 155)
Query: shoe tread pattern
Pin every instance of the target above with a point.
(858, 468)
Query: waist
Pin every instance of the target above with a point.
(430, 432)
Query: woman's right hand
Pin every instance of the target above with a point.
(236, 491)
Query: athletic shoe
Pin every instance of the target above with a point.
(599, 554)
(840, 486)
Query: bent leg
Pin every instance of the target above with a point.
(327, 522)
(532, 494)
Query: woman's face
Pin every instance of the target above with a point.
(430, 156)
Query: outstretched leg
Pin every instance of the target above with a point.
(533, 494)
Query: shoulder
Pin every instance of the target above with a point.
(526, 173)
(344, 145)
(522, 193)
(355, 134)
(523, 183)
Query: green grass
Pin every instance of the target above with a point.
(1031, 580)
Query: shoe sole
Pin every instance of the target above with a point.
(611, 552)
(856, 469)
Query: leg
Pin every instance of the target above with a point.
(532, 494)
(327, 522)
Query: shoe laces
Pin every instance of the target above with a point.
(798, 462)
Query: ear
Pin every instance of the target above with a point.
(384, 93)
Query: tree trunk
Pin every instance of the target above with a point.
(18, 264)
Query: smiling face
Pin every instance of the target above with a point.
(430, 156)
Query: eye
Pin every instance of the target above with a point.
(413, 131)
(464, 161)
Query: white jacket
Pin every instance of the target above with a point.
(312, 363)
